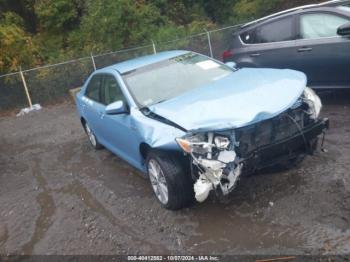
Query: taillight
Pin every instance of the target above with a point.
(227, 54)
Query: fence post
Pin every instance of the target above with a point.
(93, 61)
(154, 47)
(26, 88)
(209, 43)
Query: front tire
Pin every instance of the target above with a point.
(172, 186)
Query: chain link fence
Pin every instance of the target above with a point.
(12, 94)
(197, 43)
(221, 40)
(50, 83)
(111, 58)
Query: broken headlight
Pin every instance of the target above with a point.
(314, 102)
(194, 144)
(200, 144)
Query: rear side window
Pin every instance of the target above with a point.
(111, 91)
(320, 25)
(93, 88)
(277, 31)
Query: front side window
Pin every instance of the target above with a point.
(320, 25)
(277, 31)
(170, 78)
(93, 88)
(111, 91)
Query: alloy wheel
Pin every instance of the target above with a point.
(158, 181)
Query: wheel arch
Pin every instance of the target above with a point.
(144, 149)
(83, 121)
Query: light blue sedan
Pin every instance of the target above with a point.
(194, 125)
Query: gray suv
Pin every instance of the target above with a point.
(314, 39)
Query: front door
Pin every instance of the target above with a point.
(119, 133)
(323, 55)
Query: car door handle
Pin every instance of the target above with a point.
(255, 55)
(102, 115)
(304, 49)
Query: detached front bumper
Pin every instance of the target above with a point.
(304, 142)
(217, 166)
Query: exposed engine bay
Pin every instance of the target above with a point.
(219, 158)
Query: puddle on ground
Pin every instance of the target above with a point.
(113, 172)
(4, 235)
(223, 230)
(47, 209)
(94, 205)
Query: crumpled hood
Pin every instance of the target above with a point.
(242, 98)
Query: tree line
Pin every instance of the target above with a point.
(36, 32)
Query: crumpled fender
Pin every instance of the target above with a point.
(157, 134)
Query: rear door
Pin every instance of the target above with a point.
(273, 43)
(323, 55)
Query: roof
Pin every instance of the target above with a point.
(324, 4)
(136, 63)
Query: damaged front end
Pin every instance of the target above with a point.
(218, 158)
(216, 163)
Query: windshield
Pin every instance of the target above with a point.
(170, 78)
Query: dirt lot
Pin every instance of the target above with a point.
(59, 196)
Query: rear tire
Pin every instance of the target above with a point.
(91, 136)
(173, 186)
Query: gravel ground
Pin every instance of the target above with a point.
(59, 196)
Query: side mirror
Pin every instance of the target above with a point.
(232, 65)
(344, 30)
(116, 108)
